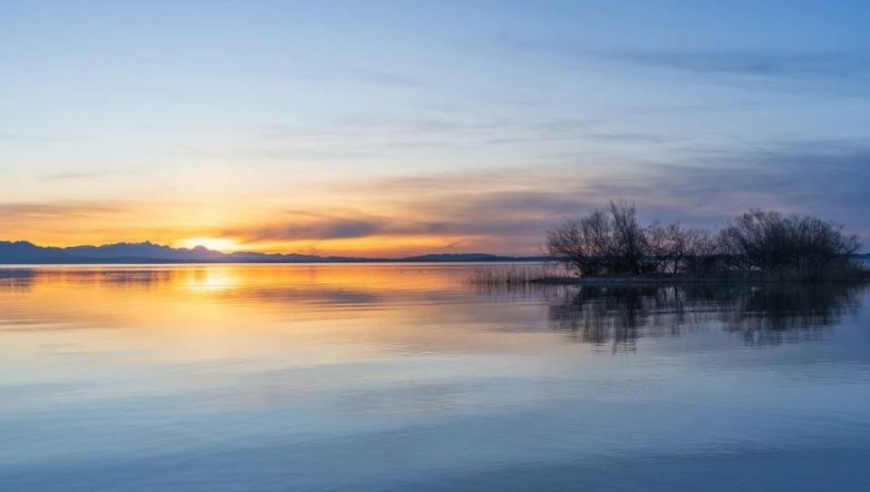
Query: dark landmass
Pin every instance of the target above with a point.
(757, 245)
(26, 253)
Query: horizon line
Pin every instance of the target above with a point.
(202, 248)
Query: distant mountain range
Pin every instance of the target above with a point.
(26, 253)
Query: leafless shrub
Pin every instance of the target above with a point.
(609, 241)
(788, 246)
(668, 246)
(582, 243)
(628, 248)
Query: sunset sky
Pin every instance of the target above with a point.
(405, 127)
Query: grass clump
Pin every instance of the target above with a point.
(516, 275)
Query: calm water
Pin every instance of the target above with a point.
(363, 378)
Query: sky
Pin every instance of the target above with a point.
(388, 128)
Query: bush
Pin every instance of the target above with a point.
(788, 246)
(582, 244)
(609, 241)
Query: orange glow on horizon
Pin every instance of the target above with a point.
(377, 246)
(181, 225)
(224, 245)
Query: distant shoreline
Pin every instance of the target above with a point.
(27, 253)
(86, 262)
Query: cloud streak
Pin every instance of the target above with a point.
(506, 210)
(761, 63)
(75, 175)
(835, 71)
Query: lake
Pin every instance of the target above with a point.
(400, 377)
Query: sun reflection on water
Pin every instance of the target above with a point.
(212, 280)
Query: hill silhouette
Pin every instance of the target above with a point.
(25, 253)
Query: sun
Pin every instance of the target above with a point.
(213, 243)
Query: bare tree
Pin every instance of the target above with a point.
(771, 243)
(629, 243)
(668, 246)
(606, 241)
(582, 244)
(609, 241)
(705, 254)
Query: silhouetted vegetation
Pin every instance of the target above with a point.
(609, 242)
(793, 246)
(510, 275)
(605, 242)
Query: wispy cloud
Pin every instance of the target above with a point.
(278, 67)
(706, 188)
(841, 72)
(504, 210)
(363, 136)
(761, 63)
(206, 153)
(41, 138)
(74, 175)
(30, 211)
(323, 228)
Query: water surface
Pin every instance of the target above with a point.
(398, 377)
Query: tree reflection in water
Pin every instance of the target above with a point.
(768, 314)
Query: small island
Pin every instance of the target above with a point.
(608, 246)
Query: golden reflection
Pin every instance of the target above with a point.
(299, 314)
(212, 279)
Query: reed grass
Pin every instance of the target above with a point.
(516, 275)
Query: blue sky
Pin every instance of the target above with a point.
(399, 127)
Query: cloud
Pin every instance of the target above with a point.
(206, 153)
(277, 67)
(832, 73)
(825, 176)
(306, 226)
(68, 222)
(368, 135)
(64, 210)
(840, 72)
(511, 207)
(388, 79)
(508, 210)
(320, 229)
(68, 176)
(41, 138)
(762, 63)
